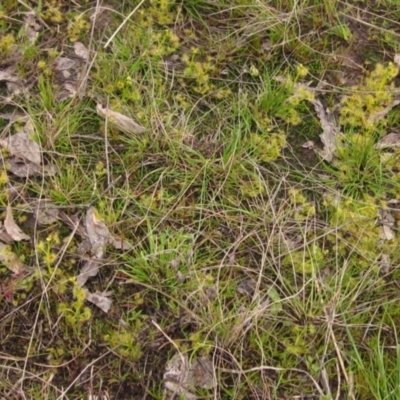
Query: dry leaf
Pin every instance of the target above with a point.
(10, 260)
(7, 75)
(13, 82)
(99, 237)
(15, 117)
(381, 114)
(100, 299)
(390, 141)
(81, 50)
(21, 145)
(384, 264)
(31, 27)
(182, 377)
(64, 63)
(330, 130)
(12, 228)
(46, 213)
(386, 233)
(308, 145)
(90, 269)
(22, 169)
(121, 121)
(98, 233)
(396, 59)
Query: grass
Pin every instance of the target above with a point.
(236, 244)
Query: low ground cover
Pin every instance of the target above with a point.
(199, 199)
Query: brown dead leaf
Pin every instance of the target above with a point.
(121, 121)
(7, 75)
(100, 299)
(21, 145)
(396, 59)
(31, 27)
(98, 233)
(65, 63)
(46, 213)
(13, 82)
(390, 141)
(4, 236)
(374, 118)
(12, 228)
(330, 130)
(387, 233)
(99, 237)
(10, 260)
(182, 376)
(22, 168)
(90, 269)
(308, 145)
(81, 51)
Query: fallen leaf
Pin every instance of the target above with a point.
(31, 27)
(390, 141)
(99, 237)
(308, 145)
(396, 59)
(387, 233)
(6, 75)
(21, 145)
(10, 260)
(46, 213)
(12, 228)
(98, 233)
(15, 117)
(330, 130)
(100, 299)
(64, 63)
(121, 121)
(81, 51)
(384, 264)
(22, 169)
(90, 269)
(13, 82)
(182, 376)
(4, 236)
(374, 118)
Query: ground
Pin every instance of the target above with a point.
(199, 199)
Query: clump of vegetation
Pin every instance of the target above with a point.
(210, 237)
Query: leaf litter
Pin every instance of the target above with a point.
(12, 228)
(121, 121)
(183, 376)
(70, 71)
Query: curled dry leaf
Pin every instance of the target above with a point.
(13, 82)
(121, 121)
(308, 145)
(81, 50)
(65, 63)
(100, 299)
(22, 169)
(46, 213)
(374, 118)
(330, 130)
(12, 228)
(396, 59)
(21, 145)
(90, 269)
(99, 237)
(390, 141)
(31, 27)
(98, 233)
(182, 377)
(10, 260)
